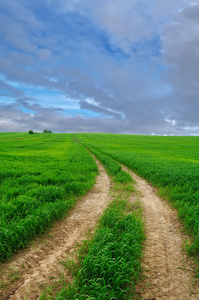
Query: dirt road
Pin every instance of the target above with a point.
(40, 265)
(167, 269)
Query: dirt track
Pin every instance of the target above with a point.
(166, 267)
(40, 264)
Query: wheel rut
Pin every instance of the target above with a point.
(40, 265)
(167, 270)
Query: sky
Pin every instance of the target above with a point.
(113, 66)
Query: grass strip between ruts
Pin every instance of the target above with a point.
(112, 264)
(170, 164)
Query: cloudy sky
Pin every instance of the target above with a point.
(119, 66)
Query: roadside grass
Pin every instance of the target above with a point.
(41, 178)
(109, 264)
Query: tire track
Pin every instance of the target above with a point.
(166, 267)
(39, 264)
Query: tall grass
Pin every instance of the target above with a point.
(112, 167)
(41, 177)
(169, 163)
(111, 267)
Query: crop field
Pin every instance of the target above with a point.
(41, 176)
(170, 163)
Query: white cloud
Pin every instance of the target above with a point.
(105, 57)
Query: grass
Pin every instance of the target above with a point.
(41, 178)
(112, 167)
(169, 163)
(10, 278)
(110, 265)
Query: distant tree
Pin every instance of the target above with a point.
(31, 132)
(47, 131)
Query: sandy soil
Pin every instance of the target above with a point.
(39, 265)
(167, 269)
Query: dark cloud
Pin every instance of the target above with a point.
(180, 53)
(95, 108)
(9, 90)
(13, 119)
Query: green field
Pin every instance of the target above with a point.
(170, 163)
(41, 177)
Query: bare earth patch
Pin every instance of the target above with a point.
(37, 266)
(167, 269)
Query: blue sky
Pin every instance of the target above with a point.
(117, 66)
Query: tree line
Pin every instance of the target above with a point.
(45, 131)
